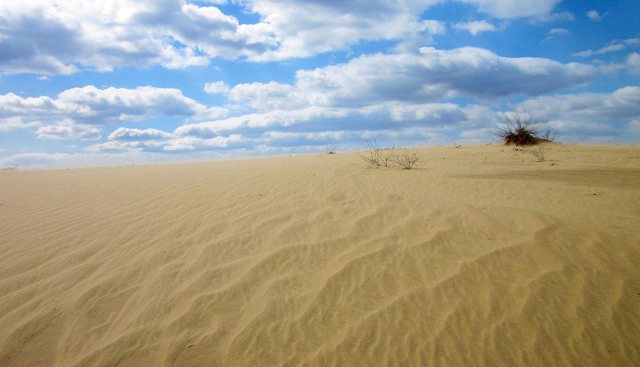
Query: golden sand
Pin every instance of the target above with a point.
(480, 257)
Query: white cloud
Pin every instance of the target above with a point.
(594, 15)
(507, 9)
(297, 137)
(601, 51)
(585, 114)
(378, 91)
(476, 27)
(127, 134)
(304, 128)
(634, 126)
(261, 120)
(556, 32)
(14, 123)
(157, 141)
(428, 76)
(110, 105)
(55, 37)
(305, 28)
(434, 26)
(593, 117)
(63, 36)
(633, 63)
(598, 114)
(385, 116)
(614, 46)
(67, 129)
(61, 117)
(299, 28)
(47, 160)
(266, 96)
(564, 16)
(31, 159)
(218, 87)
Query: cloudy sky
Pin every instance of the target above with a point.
(132, 81)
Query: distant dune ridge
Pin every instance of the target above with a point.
(480, 256)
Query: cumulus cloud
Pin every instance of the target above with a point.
(303, 129)
(14, 123)
(109, 105)
(127, 134)
(266, 96)
(62, 116)
(476, 27)
(40, 159)
(67, 129)
(583, 116)
(300, 28)
(634, 126)
(593, 15)
(218, 87)
(428, 76)
(598, 114)
(614, 46)
(377, 117)
(507, 9)
(556, 32)
(303, 137)
(57, 37)
(32, 159)
(388, 91)
(157, 141)
(60, 36)
(63, 36)
(564, 16)
(633, 63)
(260, 120)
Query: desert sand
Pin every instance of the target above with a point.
(481, 256)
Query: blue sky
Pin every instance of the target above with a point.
(119, 82)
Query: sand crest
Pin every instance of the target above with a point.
(480, 257)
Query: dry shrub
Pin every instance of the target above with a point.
(376, 156)
(538, 152)
(407, 159)
(521, 129)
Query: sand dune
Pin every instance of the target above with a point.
(481, 257)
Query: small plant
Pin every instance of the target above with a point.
(385, 157)
(407, 159)
(538, 152)
(376, 156)
(522, 129)
(455, 143)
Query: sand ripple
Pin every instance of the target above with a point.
(317, 261)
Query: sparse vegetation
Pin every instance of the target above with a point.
(376, 157)
(372, 154)
(538, 152)
(522, 129)
(407, 159)
(455, 143)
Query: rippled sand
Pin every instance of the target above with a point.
(482, 256)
